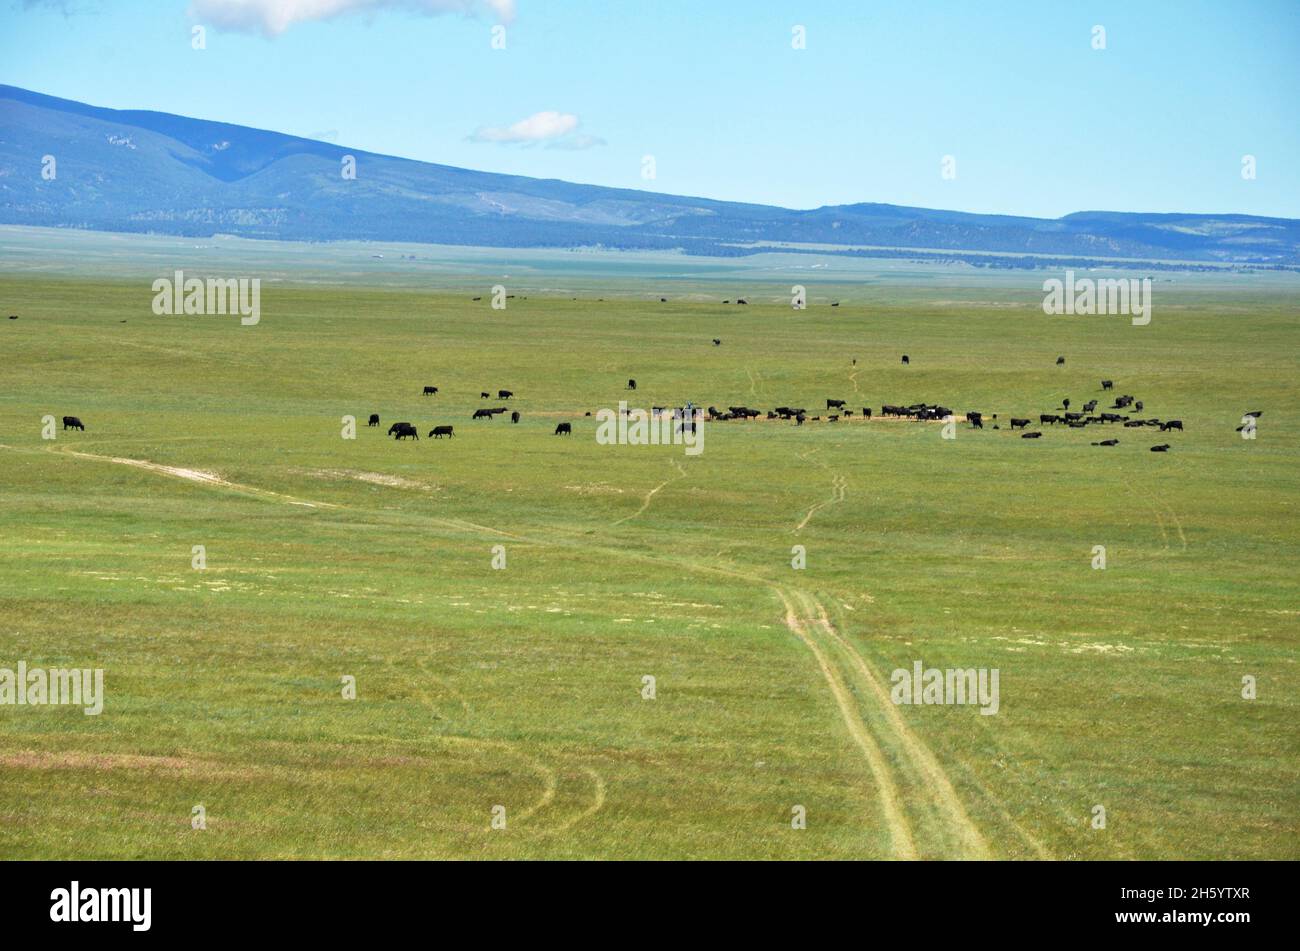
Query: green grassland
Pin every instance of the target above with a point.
(330, 557)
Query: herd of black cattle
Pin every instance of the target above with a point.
(837, 409)
(688, 415)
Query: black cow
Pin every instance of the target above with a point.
(1019, 423)
(1089, 406)
(514, 417)
(1108, 384)
(1065, 403)
(374, 420)
(72, 422)
(504, 394)
(717, 342)
(866, 412)
(1030, 435)
(975, 419)
(482, 414)
(1107, 442)
(834, 404)
(563, 429)
(497, 410)
(485, 396)
(403, 430)
(905, 360)
(1049, 419)
(1172, 424)
(741, 300)
(1137, 407)
(439, 431)
(631, 384)
(1060, 361)
(1161, 448)
(1257, 414)
(429, 391)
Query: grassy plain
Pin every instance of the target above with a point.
(522, 687)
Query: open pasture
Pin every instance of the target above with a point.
(522, 687)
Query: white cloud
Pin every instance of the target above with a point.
(273, 17)
(558, 129)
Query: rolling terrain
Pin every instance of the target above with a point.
(152, 172)
(522, 687)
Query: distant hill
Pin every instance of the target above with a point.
(152, 171)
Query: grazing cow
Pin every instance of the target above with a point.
(485, 396)
(564, 429)
(1030, 435)
(1172, 424)
(663, 300)
(1019, 423)
(866, 412)
(905, 360)
(1089, 406)
(1049, 419)
(1060, 361)
(482, 414)
(1108, 384)
(430, 391)
(403, 430)
(832, 419)
(1107, 442)
(631, 384)
(514, 417)
(848, 412)
(741, 300)
(717, 342)
(374, 420)
(504, 394)
(72, 422)
(439, 431)
(798, 420)
(15, 317)
(975, 419)
(497, 411)
(1164, 447)
(834, 404)
(835, 304)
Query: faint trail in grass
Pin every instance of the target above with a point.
(649, 497)
(838, 488)
(193, 475)
(597, 804)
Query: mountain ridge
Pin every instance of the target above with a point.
(148, 171)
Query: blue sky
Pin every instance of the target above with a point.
(1038, 121)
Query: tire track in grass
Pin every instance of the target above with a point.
(900, 832)
(944, 797)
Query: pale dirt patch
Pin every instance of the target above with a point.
(595, 488)
(373, 478)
